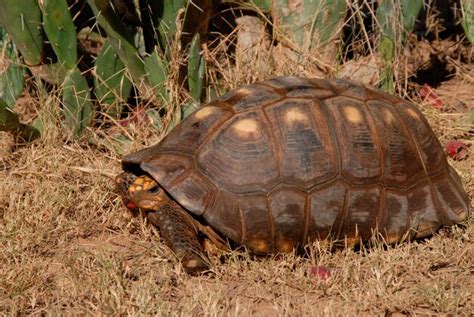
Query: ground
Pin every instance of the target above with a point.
(68, 246)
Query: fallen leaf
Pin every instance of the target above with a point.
(320, 272)
(429, 96)
(456, 149)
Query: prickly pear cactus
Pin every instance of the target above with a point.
(22, 20)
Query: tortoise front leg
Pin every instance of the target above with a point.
(180, 234)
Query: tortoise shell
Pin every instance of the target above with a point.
(285, 161)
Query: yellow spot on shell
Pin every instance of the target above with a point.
(204, 113)
(243, 91)
(392, 238)
(388, 116)
(295, 116)
(353, 115)
(285, 246)
(352, 241)
(258, 246)
(246, 127)
(412, 113)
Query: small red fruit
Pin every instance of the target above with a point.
(319, 272)
(456, 149)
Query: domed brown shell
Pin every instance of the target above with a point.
(279, 163)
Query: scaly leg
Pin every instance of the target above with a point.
(180, 234)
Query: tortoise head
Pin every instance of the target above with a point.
(140, 191)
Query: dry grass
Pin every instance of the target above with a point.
(68, 246)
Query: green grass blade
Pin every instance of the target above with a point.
(60, 30)
(76, 102)
(196, 69)
(22, 20)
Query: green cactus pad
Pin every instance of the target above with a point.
(22, 20)
(12, 79)
(77, 106)
(60, 30)
(111, 82)
(120, 38)
(396, 21)
(157, 75)
(9, 122)
(314, 22)
(468, 20)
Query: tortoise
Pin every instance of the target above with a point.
(281, 163)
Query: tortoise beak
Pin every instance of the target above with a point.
(131, 205)
(122, 184)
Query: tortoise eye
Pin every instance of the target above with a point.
(154, 190)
